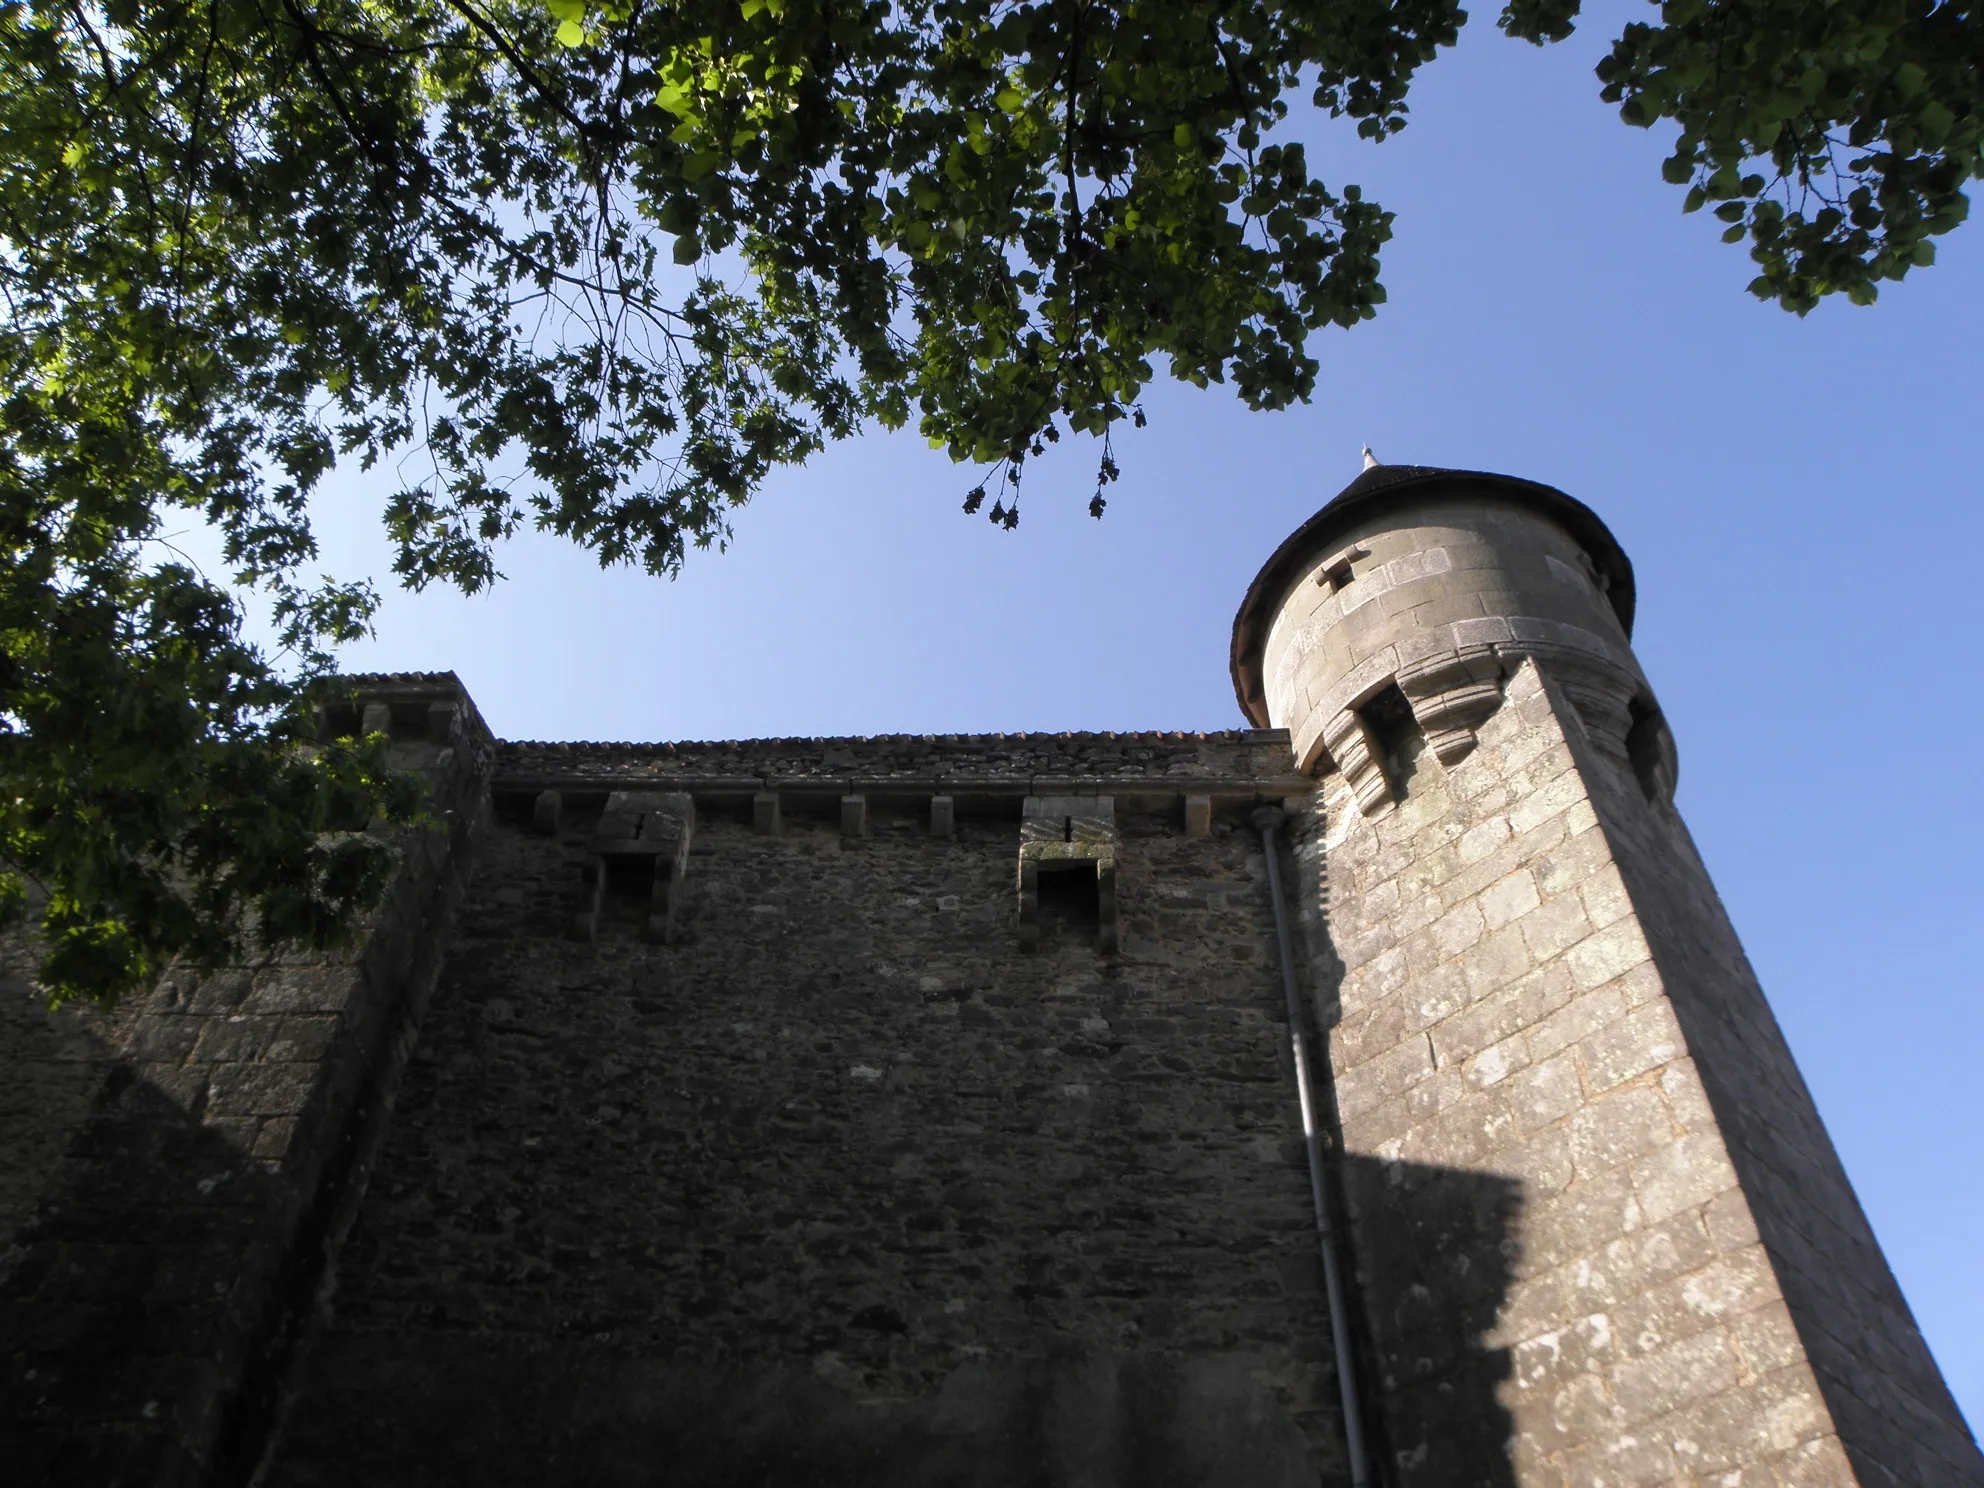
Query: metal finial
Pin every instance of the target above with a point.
(1370, 460)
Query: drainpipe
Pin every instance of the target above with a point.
(1268, 819)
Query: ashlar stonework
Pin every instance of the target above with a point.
(910, 1111)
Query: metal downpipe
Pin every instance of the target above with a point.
(1269, 819)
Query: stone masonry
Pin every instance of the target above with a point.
(920, 1110)
(172, 1177)
(1528, 973)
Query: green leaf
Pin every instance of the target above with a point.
(570, 33)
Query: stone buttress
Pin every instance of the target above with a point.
(175, 1177)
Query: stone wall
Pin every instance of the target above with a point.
(1529, 976)
(171, 1175)
(744, 1142)
(842, 1186)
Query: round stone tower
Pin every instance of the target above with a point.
(1411, 597)
(1596, 1228)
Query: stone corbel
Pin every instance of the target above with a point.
(1361, 758)
(1068, 834)
(1452, 695)
(650, 830)
(1600, 690)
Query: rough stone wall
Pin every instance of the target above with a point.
(170, 1175)
(841, 1187)
(1529, 977)
(1125, 760)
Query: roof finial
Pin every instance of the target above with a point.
(1370, 460)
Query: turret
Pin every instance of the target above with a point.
(1412, 597)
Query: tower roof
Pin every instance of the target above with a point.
(1374, 489)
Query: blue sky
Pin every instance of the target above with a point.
(1800, 499)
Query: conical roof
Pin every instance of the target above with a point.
(1373, 489)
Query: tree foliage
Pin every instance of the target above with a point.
(601, 267)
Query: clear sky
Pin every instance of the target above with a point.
(1800, 499)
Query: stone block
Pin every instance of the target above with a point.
(1496, 1063)
(1645, 1039)
(1359, 1039)
(305, 989)
(1687, 1102)
(545, 810)
(1625, 1459)
(1684, 1174)
(1458, 929)
(1578, 1221)
(854, 816)
(1432, 999)
(1576, 1020)
(303, 1039)
(765, 813)
(1674, 1374)
(219, 991)
(1388, 1075)
(1605, 898)
(1607, 954)
(1198, 815)
(274, 1138)
(1509, 899)
(943, 817)
(165, 1038)
(1610, 1132)
(1820, 1462)
(1729, 1223)
(1478, 1027)
(1430, 1097)
(260, 1089)
(1499, 960)
(1755, 1422)
(240, 1037)
(1545, 1093)
(1552, 1360)
(1558, 796)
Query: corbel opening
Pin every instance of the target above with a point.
(1070, 902)
(1650, 750)
(1395, 735)
(1067, 870)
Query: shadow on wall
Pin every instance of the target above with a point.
(518, 1411)
(1433, 1251)
(127, 1219)
(135, 1264)
(125, 1222)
